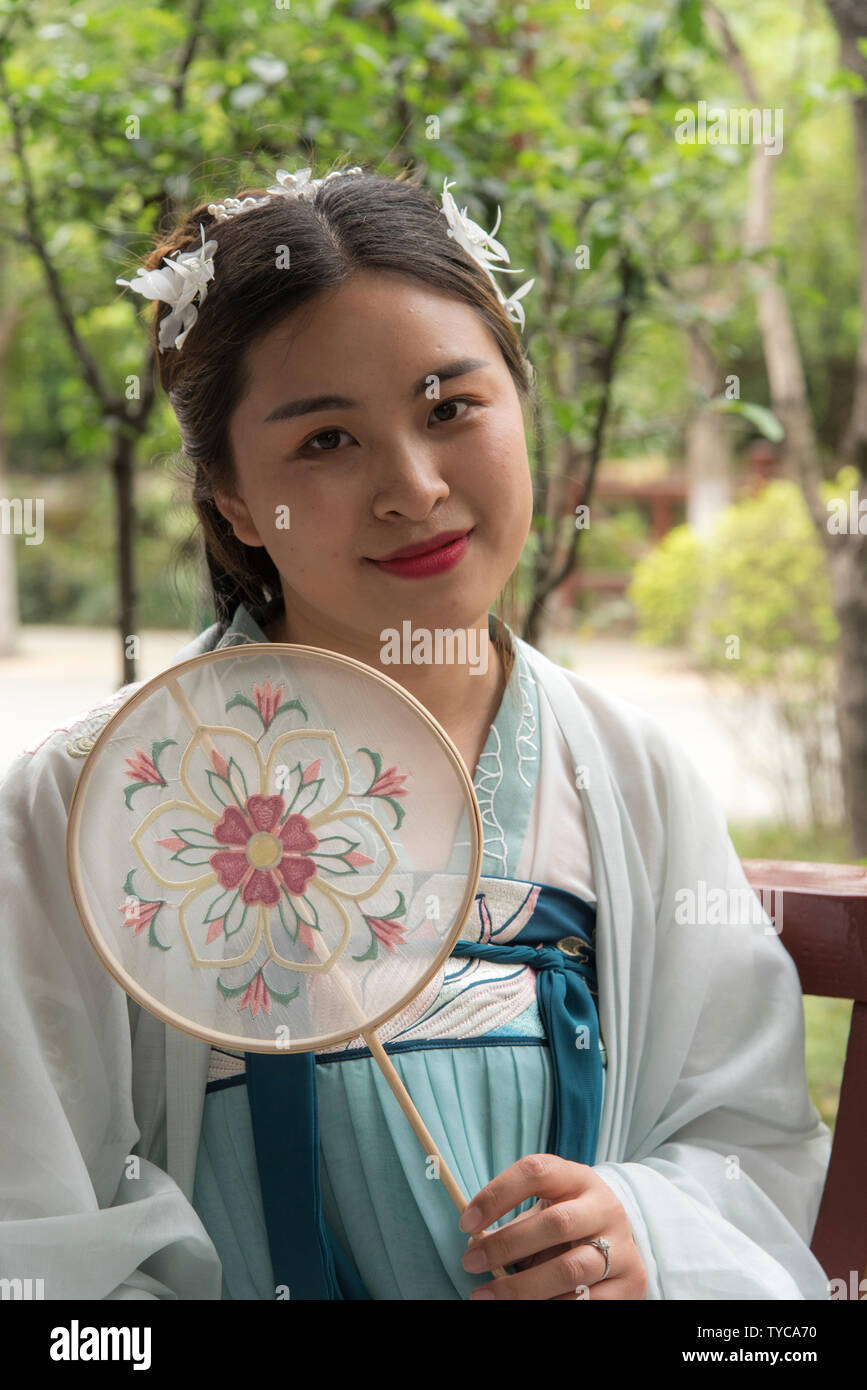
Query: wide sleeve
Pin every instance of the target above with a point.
(75, 1211)
(725, 1156)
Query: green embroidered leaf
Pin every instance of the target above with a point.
(230, 992)
(156, 749)
(377, 763)
(236, 779)
(281, 998)
(310, 792)
(311, 916)
(135, 787)
(153, 939)
(290, 704)
(221, 904)
(241, 700)
(194, 856)
(292, 934)
(336, 866)
(192, 835)
(283, 785)
(334, 840)
(399, 811)
(373, 950)
(221, 789)
(235, 916)
(398, 911)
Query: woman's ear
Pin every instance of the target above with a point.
(234, 509)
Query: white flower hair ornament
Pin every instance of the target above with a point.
(476, 241)
(187, 274)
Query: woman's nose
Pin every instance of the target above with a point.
(408, 479)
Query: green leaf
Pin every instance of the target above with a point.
(758, 415)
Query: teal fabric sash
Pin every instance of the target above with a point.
(307, 1259)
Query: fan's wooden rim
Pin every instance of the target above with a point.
(127, 982)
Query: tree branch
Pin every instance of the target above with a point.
(783, 361)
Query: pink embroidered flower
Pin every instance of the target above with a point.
(267, 701)
(256, 996)
(389, 783)
(139, 914)
(261, 855)
(143, 769)
(388, 933)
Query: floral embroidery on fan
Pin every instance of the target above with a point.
(385, 929)
(266, 702)
(145, 770)
(287, 856)
(386, 784)
(256, 995)
(139, 912)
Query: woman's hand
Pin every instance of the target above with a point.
(543, 1243)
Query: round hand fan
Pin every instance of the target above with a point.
(274, 848)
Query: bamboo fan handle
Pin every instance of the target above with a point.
(382, 1058)
(401, 1094)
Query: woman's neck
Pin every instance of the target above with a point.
(462, 695)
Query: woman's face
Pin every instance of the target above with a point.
(331, 489)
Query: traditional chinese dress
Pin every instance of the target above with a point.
(472, 1050)
(111, 1143)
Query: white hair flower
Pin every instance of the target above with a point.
(483, 248)
(186, 276)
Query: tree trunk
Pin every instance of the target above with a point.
(847, 553)
(123, 455)
(707, 442)
(553, 563)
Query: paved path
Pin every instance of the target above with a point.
(60, 671)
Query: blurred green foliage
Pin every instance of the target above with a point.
(760, 577)
(562, 117)
(70, 578)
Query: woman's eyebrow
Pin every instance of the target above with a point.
(308, 405)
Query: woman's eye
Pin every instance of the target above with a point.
(334, 433)
(453, 400)
(323, 434)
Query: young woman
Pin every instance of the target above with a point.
(339, 348)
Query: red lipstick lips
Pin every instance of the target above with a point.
(427, 557)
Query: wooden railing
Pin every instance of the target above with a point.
(824, 927)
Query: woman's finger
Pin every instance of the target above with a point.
(558, 1224)
(581, 1265)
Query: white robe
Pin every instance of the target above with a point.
(708, 1136)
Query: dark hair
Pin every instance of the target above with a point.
(349, 223)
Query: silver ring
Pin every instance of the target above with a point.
(603, 1245)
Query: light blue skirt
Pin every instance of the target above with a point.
(486, 1105)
